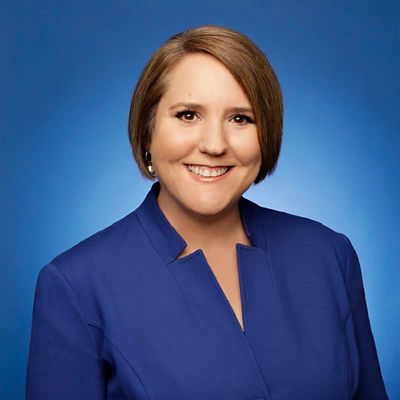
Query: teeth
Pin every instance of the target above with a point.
(206, 172)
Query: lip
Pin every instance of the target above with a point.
(208, 178)
(211, 166)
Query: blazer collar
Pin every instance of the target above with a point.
(167, 241)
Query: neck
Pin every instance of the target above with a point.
(205, 231)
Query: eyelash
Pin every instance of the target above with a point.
(181, 114)
(247, 119)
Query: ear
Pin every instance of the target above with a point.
(147, 143)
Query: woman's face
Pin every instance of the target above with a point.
(204, 144)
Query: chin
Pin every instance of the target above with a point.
(206, 212)
(207, 207)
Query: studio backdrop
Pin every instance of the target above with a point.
(68, 70)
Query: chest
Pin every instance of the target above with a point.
(176, 328)
(224, 267)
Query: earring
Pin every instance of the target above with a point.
(150, 168)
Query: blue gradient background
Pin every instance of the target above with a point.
(67, 74)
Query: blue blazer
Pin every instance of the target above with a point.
(119, 316)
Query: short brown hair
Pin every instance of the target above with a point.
(246, 62)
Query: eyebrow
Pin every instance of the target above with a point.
(186, 105)
(241, 109)
(199, 106)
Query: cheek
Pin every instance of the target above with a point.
(170, 144)
(247, 149)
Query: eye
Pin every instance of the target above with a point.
(241, 119)
(186, 115)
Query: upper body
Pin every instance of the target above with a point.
(200, 293)
(119, 316)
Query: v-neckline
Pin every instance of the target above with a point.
(223, 294)
(218, 287)
(223, 289)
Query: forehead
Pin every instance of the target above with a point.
(201, 77)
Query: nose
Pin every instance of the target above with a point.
(213, 139)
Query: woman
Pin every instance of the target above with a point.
(200, 293)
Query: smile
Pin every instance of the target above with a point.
(207, 172)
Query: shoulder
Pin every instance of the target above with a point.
(92, 270)
(304, 247)
(102, 250)
(289, 223)
(290, 232)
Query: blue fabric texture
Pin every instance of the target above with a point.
(120, 316)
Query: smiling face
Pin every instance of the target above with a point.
(204, 143)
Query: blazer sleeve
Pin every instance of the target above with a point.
(63, 361)
(370, 384)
